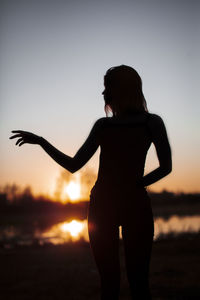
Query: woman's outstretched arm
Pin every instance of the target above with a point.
(72, 164)
(163, 150)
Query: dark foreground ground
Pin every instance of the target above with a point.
(68, 271)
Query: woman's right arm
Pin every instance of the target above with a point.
(85, 152)
(163, 150)
(71, 164)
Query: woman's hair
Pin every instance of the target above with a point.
(123, 91)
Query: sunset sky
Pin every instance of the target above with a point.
(53, 56)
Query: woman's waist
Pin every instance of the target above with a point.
(118, 190)
(119, 182)
(108, 205)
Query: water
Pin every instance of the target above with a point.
(76, 230)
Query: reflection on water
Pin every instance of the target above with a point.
(65, 232)
(176, 225)
(76, 230)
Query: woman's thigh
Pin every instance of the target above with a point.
(138, 239)
(104, 242)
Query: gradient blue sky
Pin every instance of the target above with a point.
(53, 56)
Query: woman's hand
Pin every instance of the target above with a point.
(25, 137)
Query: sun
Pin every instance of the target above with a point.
(73, 190)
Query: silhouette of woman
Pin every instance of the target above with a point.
(119, 196)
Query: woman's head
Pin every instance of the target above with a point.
(123, 91)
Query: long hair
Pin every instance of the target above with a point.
(123, 91)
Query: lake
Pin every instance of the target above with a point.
(72, 230)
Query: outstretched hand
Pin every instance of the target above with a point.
(25, 137)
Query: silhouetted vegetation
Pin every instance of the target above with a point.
(13, 200)
(20, 207)
(166, 203)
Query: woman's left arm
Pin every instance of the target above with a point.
(72, 164)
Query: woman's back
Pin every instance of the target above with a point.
(124, 144)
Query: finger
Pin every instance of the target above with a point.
(17, 131)
(21, 144)
(19, 141)
(15, 136)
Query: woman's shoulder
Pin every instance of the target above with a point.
(101, 122)
(154, 119)
(156, 126)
